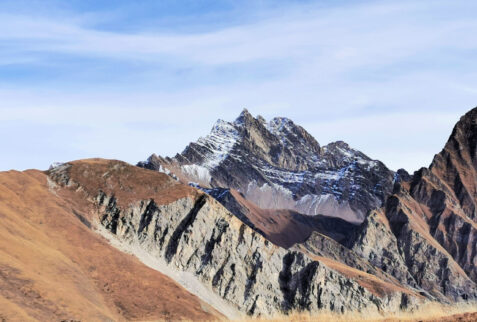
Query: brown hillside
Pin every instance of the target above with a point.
(54, 267)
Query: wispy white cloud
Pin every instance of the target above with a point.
(351, 36)
(394, 68)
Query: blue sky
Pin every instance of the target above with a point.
(124, 79)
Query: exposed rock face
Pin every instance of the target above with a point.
(278, 165)
(253, 235)
(430, 265)
(393, 243)
(448, 193)
(424, 236)
(376, 242)
(427, 234)
(192, 232)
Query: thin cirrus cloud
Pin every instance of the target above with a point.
(375, 74)
(326, 33)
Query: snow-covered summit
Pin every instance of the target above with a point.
(278, 164)
(242, 119)
(218, 143)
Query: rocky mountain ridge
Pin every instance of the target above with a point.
(193, 233)
(447, 191)
(279, 165)
(414, 244)
(423, 235)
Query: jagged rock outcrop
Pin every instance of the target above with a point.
(375, 241)
(399, 240)
(427, 261)
(428, 223)
(447, 191)
(194, 233)
(321, 245)
(279, 165)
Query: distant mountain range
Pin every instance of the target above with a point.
(256, 218)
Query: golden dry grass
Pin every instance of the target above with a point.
(430, 312)
(128, 183)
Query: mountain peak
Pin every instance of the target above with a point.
(244, 118)
(339, 144)
(464, 134)
(278, 164)
(278, 123)
(456, 164)
(461, 146)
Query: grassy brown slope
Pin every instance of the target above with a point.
(53, 267)
(126, 182)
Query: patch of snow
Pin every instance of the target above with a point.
(278, 124)
(283, 176)
(281, 127)
(197, 173)
(270, 196)
(346, 152)
(219, 142)
(164, 170)
(328, 175)
(55, 165)
(328, 205)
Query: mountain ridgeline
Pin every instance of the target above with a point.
(278, 165)
(335, 205)
(256, 218)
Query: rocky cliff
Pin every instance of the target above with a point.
(447, 192)
(429, 222)
(191, 232)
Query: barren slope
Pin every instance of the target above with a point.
(54, 267)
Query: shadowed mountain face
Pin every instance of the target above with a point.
(278, 165)
(281, 226)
